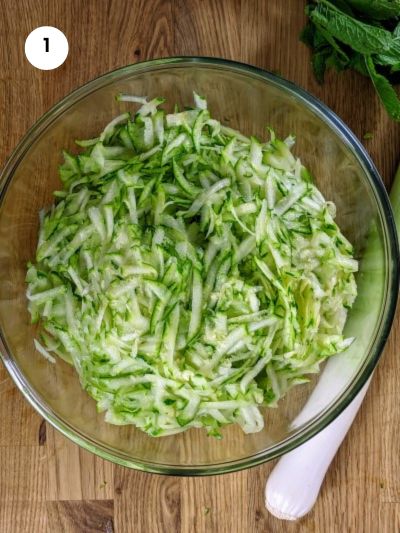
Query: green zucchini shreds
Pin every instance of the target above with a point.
(190, 274)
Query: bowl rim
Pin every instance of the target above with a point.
(319, 422)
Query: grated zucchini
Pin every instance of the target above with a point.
(189, 273)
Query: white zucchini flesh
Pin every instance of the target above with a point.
(192, 275)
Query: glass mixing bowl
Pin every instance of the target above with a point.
(248, 99)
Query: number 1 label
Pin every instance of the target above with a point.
(39, 52)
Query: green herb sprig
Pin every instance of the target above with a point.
(363, 35)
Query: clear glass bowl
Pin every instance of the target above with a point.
(248, 99)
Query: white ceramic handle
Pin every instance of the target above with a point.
(294, 484)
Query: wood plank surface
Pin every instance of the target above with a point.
(46, 482)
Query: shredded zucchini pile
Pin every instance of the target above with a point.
(189, 273)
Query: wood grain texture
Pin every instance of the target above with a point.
(46, 482)
(77, 516)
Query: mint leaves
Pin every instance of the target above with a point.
(385, 91)
(375, 9)
(363, 35)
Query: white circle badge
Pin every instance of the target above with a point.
(46, 48)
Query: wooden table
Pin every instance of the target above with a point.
(49, 484)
